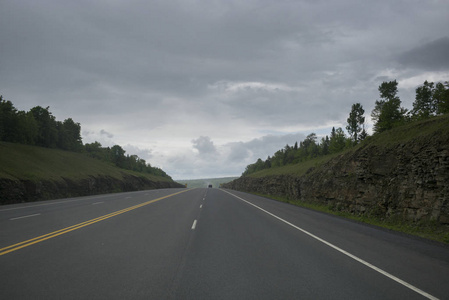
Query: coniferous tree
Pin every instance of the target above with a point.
(337, 141)
(356, 122)
(425, 104)
(441, 96)
(324, 145)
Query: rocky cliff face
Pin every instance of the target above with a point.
(409, 181)
(16, 191)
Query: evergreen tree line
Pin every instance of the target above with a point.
(38, 127)
(431, 100)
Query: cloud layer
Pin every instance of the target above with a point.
(202, 88)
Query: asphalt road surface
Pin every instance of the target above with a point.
(207, 244)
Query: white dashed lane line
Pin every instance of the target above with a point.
(22, 217)
(194, 225)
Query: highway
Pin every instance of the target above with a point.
(207, 244)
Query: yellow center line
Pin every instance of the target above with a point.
(56, 233)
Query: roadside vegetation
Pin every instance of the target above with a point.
(395, 136)
(427, 230)
(38, 127)
(432, 100)
(25, 162)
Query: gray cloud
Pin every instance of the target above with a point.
(141, 153)
(261, 147)
(238, 152)
(107, 134)
(160, 74)
(432, 56)
(204, 145)
(228, 159)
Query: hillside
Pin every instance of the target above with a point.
(401, 174)
(30, 173)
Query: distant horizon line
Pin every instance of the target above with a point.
(207, 178)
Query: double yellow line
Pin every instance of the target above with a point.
(53, 234)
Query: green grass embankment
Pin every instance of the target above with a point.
(390, 138)
(23, 162)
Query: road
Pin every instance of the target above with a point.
(206, 244)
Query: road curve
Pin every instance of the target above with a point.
(206, 244)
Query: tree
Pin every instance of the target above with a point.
(277, 159)
(47, 128)
(425, 104)
(387, 112)
(69, 135)
(324, 145)
(118, 156)
(356, 122)
(27, 128)
(289, 155)
(95, 150)
(310, 146)
(267, 163)
(337, 141)
(257, 166)
(363, 135)
(8, 121)
(441, 96)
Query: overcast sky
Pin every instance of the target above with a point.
(203, 88)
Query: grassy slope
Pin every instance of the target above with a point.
(392, 137)
(25, 162)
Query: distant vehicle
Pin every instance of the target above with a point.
(210, 185)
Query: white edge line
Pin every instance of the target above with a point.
(194, 225)
(95, 203)
(404, 283)
(12, 219)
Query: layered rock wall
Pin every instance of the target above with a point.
(16, 191)
(409, 181)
